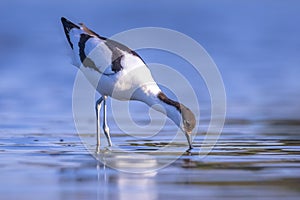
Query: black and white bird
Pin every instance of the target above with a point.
(117, 71)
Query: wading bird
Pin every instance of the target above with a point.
(117, 71)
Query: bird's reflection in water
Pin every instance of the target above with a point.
(134, 177)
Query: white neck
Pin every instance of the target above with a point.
(149, 96)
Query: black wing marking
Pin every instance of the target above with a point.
(114, 46)
(86, 61)
(116, 63)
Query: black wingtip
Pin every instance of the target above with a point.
(64, 20)
(68, 25)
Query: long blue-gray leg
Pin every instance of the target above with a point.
(98, 108)
(105, 126)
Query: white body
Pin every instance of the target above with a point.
(133, 82)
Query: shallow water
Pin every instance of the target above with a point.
(265, 165)
(255, 45)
